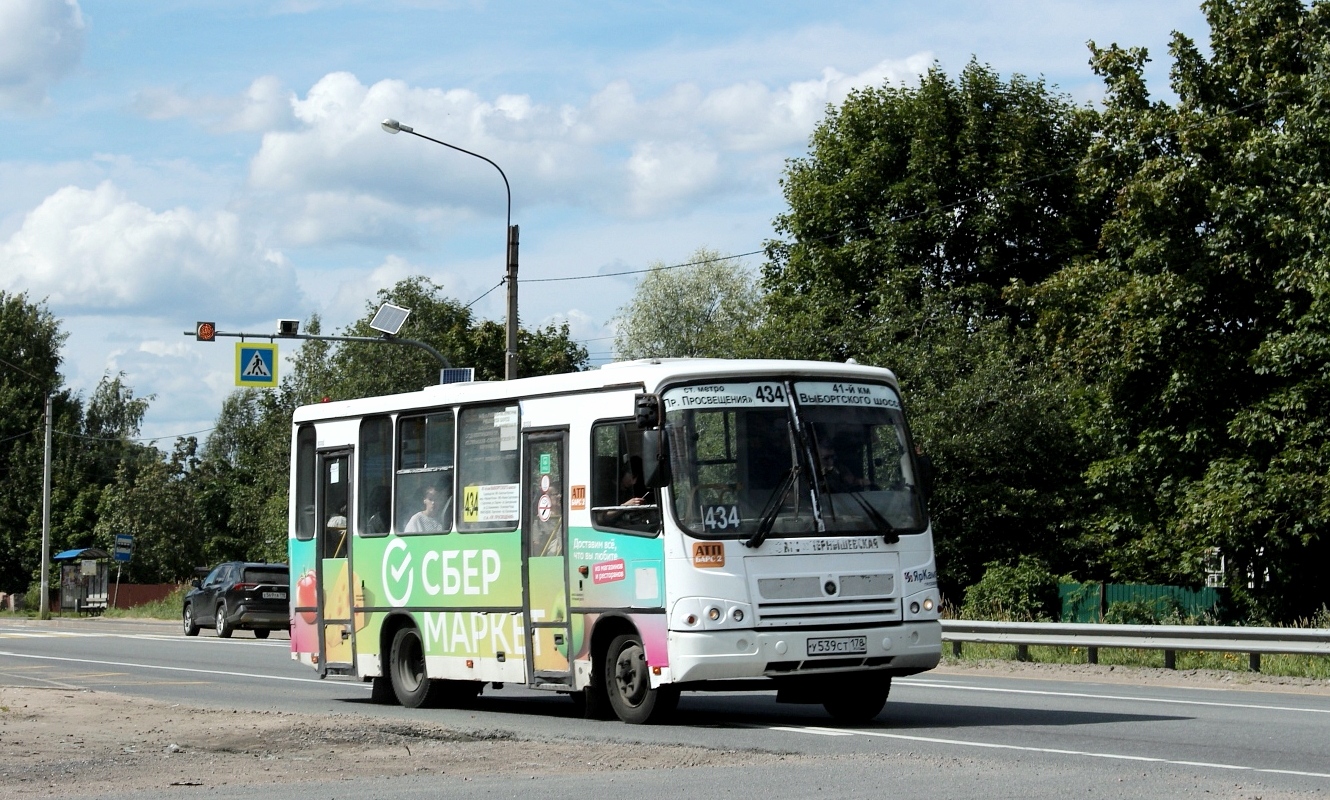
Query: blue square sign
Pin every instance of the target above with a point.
(256, 364)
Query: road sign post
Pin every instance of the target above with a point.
(124, 550)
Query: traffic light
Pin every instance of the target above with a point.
(205, 332)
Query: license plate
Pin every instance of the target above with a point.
(838, 646)
(274, 595)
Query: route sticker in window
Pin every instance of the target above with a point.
(506, 422)
(720, 518)
(726, 395)
(498, 502)
(841, 393)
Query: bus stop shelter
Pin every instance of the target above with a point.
(84, 579)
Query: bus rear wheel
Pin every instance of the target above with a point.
(406, 668)
(857, 701)
(628, 684)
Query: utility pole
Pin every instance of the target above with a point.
(45, 606)
(510, 355)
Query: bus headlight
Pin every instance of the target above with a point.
(713, 613)
(738, 615)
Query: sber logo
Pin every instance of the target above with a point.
(394, 569)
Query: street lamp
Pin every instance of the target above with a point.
(510, 356)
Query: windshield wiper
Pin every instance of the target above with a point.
(892, 534)
(772, 510)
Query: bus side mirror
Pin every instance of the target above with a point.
(655, 458)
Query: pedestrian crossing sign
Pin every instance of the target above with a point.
(256, 364)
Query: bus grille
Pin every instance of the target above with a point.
(828, 612)
(798, 592)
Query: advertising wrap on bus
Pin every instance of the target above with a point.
(767, 528)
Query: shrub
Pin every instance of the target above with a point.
(1026, 591)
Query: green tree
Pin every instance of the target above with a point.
(157, 504)
(30, 341)
(926, 200)
(707, 309)
(1201, 324)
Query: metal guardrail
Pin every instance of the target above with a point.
(1169, 638)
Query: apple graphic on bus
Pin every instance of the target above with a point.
(307, 596)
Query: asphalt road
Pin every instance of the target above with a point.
(958, 734)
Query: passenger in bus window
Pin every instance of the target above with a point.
(378, 511)
(428, 519)
(840, 478)
(335, 542)
(632, 492)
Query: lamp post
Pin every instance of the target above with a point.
(510, 355)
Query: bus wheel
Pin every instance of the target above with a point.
(406, 665)
(857, 701)
(628, 684)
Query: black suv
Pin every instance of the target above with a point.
(239, 594)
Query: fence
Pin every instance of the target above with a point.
(1169, 638)
(1091, 602)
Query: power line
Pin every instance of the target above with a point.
(20, 369)
(85, 437)
(640, 271)
(19, 436)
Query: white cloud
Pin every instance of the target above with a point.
(618, 154)
(41, 41)
(265, 106)
(96, 249)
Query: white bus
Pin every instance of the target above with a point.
(618, 535)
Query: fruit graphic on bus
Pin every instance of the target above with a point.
(307, 596)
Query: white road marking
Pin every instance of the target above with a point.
(819, 731)
(86, 661)
(1090, 696)
(822, 732)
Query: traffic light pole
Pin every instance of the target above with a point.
(213, 333)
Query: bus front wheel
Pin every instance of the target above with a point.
(857, 701)
(628, 684)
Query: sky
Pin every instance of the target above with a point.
(167, 162)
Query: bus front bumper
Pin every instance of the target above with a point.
(720, 655)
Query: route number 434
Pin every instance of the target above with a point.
(721, 518)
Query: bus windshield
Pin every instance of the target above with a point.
(770, 458)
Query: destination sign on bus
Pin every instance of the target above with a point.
(726, 395)
(842, 393)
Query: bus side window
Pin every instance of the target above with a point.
(488, 469)
(374, 509)
(306, 480)
(425, 473)
(619, 498)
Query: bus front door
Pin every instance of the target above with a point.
(334, 543)
(545, 545)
